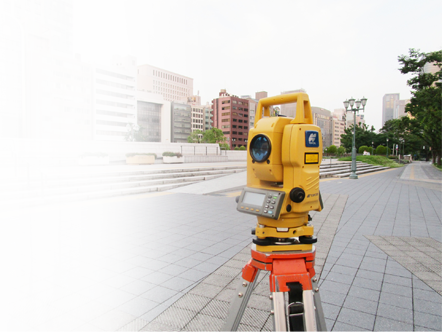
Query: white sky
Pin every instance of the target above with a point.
(333, 49)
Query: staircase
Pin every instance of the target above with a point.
(343, 169)
(82, 185)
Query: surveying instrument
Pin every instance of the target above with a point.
(282, 187)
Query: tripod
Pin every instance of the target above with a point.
(296, 301)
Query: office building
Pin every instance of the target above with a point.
(154, 116)
(12, 69)
(290, 109)
(388, 109)
(181, 122)
(58, 89)
(323, 119)
(231, 115)
(171, 86)
(57, 14)
(115, 106)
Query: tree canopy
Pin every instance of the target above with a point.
(426, 102)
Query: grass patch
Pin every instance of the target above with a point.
(374, 160)
(439, 167)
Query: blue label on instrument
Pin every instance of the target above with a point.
(311, 139)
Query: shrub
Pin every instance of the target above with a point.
(172, 154)
(92, 154)
(381, 150)
(132, 154)
(236, 148)
(242, 147)
(332, 149)
(362, 149)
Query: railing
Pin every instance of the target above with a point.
(43, 181)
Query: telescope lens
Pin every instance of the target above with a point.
(260, 148)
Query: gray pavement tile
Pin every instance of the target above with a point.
(192, 302)
(386, 324)
(350, 271)
(193, 275)
(173, 269)
(216, 308)
(112, 320)
(396, 280)
(339, 326)
(368, 283)
(333, 286)
(356, 318)
(159, 294)
(119, 280)
(138, 272)
(188, 262)
(205, 289)
(330, 311)
(332, 297)
(90, 310)
(97, 290)
(364, 293)
(206, 267)
(137, 306)
(395, 312)
(177, 283)
(360, 304)
(428, 320)
(401, 272)
(397, 289)
(428, 307)
(101, 275)
(116, 297)
(339, 277)
(157, 278)
(396, 300)
(137, 287)
(203, 322)
(176, 318)
(376, 267)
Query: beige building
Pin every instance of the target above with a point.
(171, 86)
(290, 109)
(58, 89)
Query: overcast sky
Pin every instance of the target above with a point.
(333, 49)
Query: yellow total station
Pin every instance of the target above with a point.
(283, 160)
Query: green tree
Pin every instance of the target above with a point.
(341, 151)
(214, 135)
(138, 134)
(426, 101)
(332, 149)
(364, 136)
(194, 136)
(362, 148)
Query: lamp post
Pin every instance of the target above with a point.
(387, 147)
(349, 108)
(132, 127)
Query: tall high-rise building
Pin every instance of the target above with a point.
(12, 77)
(323, 119)
(59, 15)
(171, 86)
(181, 122)
(388, 106)
(115, 99)
(231, 115)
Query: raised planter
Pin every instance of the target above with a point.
(173, 160)
(90, 160)
(140, 159)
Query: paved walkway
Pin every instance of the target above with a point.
(168, 261)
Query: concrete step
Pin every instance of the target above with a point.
(344, 170)
(104, 186)
(110, 179)
(362, 171)
(56, 199)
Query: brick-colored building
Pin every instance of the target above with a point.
(58, 89)
(231, 115)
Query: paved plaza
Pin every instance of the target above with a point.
(171, 260)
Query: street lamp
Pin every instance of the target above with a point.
(387, 147)
(132, 127)
(349, 108)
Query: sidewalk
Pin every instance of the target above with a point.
(168, 261)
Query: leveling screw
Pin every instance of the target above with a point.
(240, 294)
(271, 297)
(315, 279)
(272, 312)
(244, 284)
(316, 290)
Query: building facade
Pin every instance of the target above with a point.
(154, 117)
(323, 119)
(170, 86)
(231, 115)
(290, 109)
(58, 90)
(115, 104)
(388, 108)
(12, 78)
(181, 122)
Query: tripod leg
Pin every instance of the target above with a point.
(279, 311)
(320, 320)
(239, 304)
(309, 311)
